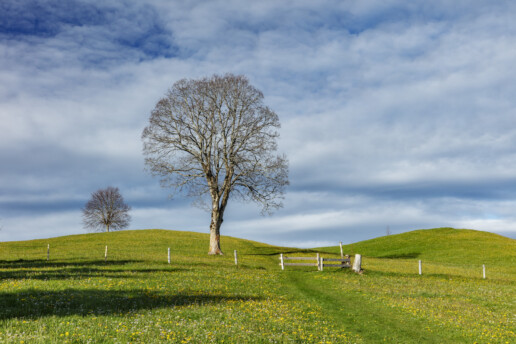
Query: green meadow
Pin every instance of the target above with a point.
(136, 296)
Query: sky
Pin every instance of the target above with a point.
(395, 115)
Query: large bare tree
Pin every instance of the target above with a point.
(214, 139)
(106, 210)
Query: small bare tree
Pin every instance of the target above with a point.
(106, 210)
(215, 137)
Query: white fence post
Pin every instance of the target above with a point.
(420, 268)
(48, 252)
(484, 271)
(341, 252)
(236, 258)
(357, 263)
(169, 255)
(105, 255)
(281, 261)
(318, 262)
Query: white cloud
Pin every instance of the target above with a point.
(386, 118)
(41, 226)
(177, 218)
(503, 227)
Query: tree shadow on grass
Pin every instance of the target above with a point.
(43, 270)
(78, 273)
(34, 304)
(41, 263)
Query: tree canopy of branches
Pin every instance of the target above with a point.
(106, 210)
(215, 137)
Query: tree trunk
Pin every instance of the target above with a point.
(216, 221)
(107, 228)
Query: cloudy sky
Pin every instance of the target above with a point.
(395, 114)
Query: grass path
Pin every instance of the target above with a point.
(137, 297)
(372, 321)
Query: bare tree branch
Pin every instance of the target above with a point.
(106, 210)
(214, 136)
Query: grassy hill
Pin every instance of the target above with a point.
(137, 297)
(134, 245)
(443, 245)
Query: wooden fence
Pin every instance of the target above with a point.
(344, 262)
(319, 262)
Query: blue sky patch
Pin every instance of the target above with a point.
(102, 28)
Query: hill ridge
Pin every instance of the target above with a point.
(444, 244)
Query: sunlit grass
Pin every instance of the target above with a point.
(447, 246)
(482, 310)
(145, 303)
(136, 296)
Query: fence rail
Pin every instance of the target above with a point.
(319, 262)
(344, 262)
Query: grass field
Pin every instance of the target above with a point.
(136, 296)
